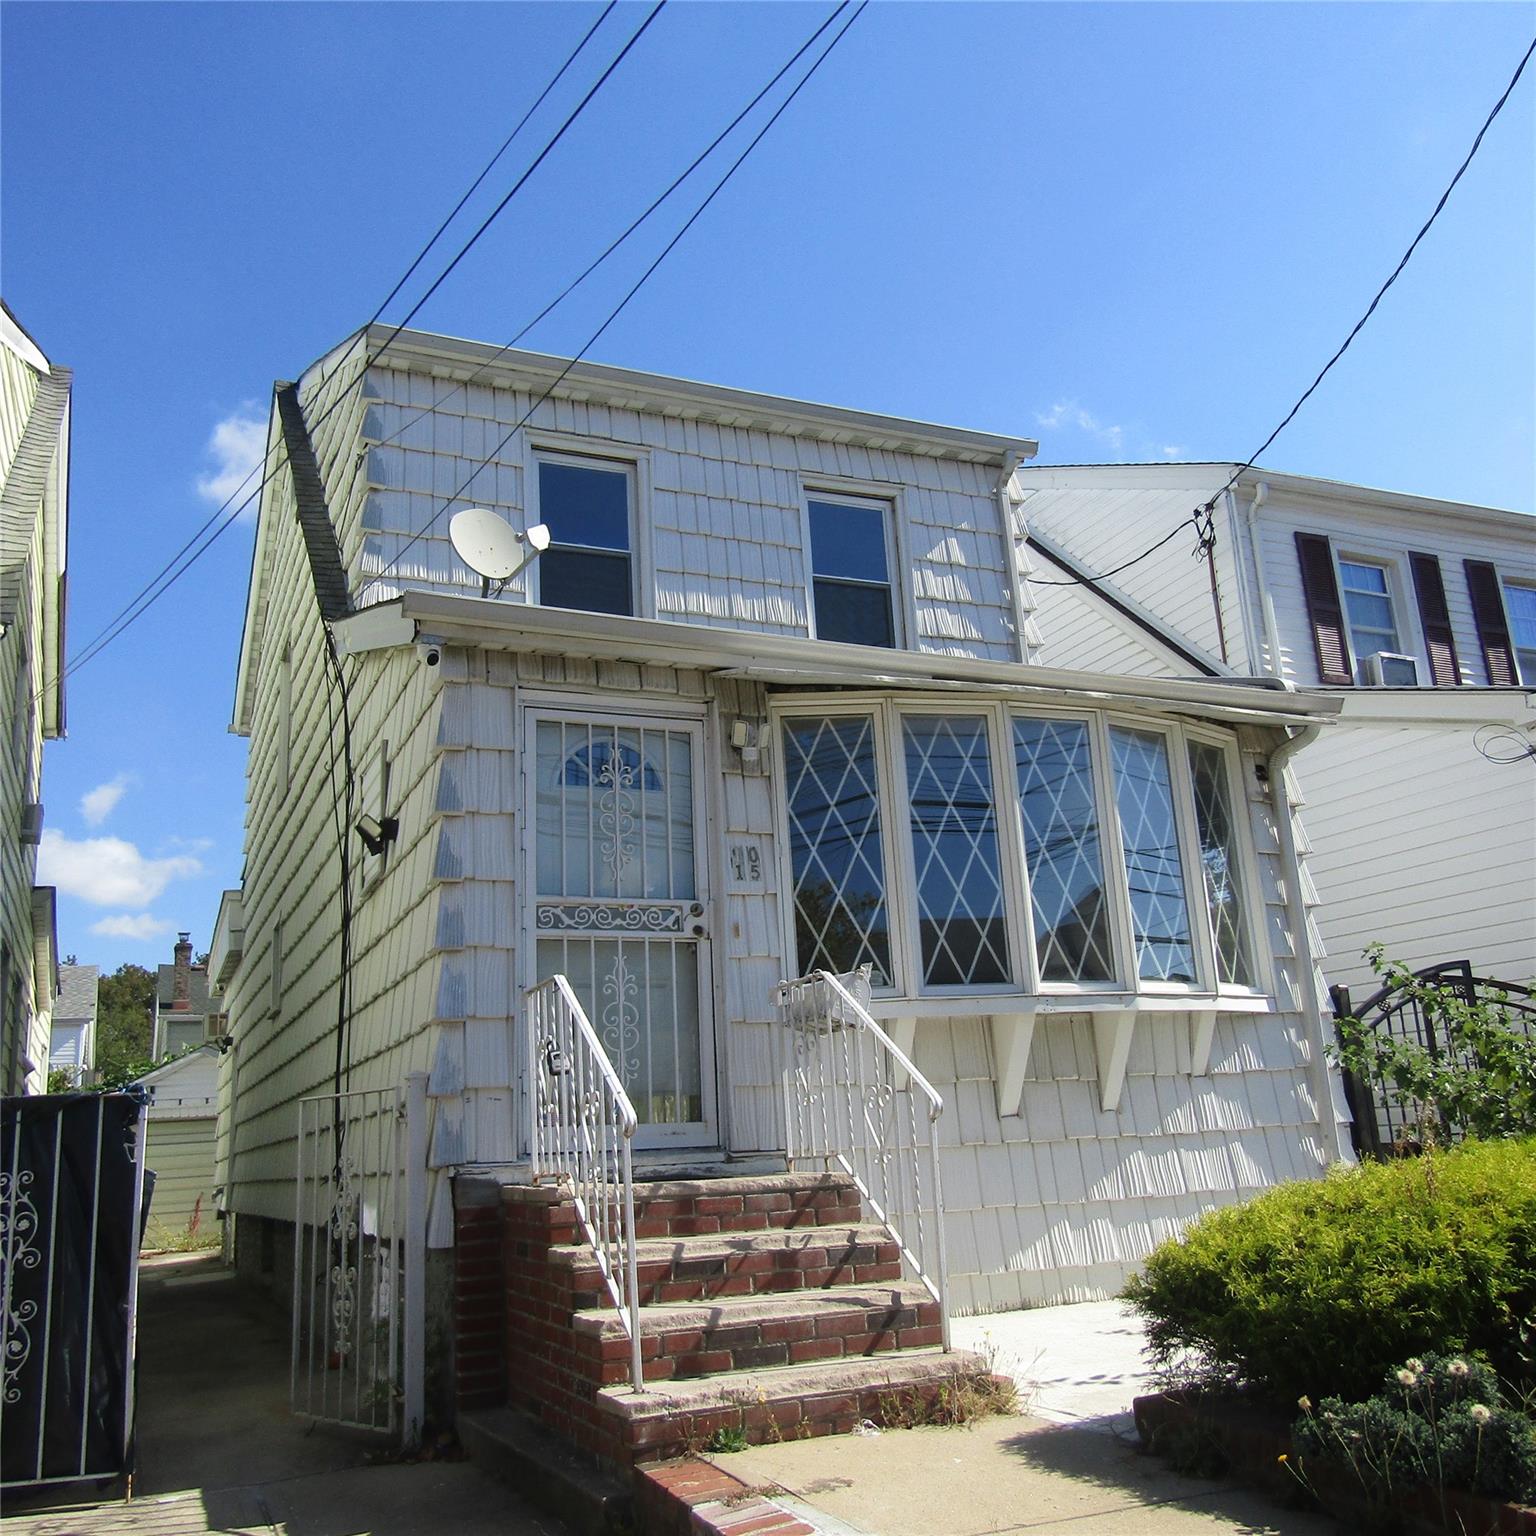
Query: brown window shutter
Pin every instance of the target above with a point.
(1435, 618)
(1324, 610)
(1492, 627)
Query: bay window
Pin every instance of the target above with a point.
(995, 851)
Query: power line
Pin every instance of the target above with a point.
(171, 572)
(1203, 517)
(613, 245)
(624, 302)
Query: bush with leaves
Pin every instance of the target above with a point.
(1437, 1422)
(1483, 1085)
(1317, 1287)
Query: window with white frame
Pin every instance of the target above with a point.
(852, 556)
(994, 850)
(1520, 605)
(587, 506)
(1366, 588)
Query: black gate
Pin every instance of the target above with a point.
(1384, 1125)
(71, 1182)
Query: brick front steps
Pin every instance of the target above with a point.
(770, 1307)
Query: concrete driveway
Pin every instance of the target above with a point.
(219, 1450)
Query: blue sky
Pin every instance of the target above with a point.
(1135, 232)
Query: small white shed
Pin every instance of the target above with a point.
(183, 1103)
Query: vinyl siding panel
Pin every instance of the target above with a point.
(1424, 845)
(1080, 631)
(181, 1153)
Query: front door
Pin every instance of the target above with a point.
(621, 905)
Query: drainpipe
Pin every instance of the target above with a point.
(1011, 461)
(1306, 963)
(1266, 597)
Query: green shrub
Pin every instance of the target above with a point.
(1437, 1421)
(1319, 1287)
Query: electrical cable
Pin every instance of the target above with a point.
(624, 302)
(1203, 517)
(656, 203)
(171, 572)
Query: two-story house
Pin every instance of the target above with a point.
(770, 702)
(1420, 614)
(34, 492)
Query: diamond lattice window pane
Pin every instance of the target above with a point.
(1061, 840)
(1154, 866)
(833, 799)
(1218, 859)
(954, 850)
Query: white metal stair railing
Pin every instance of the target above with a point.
(854, 1101)
(583, 1128)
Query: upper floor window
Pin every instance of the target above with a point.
(917, 847)
(586, 505)
(1520, 604)
(1366, 587)
(852, 556)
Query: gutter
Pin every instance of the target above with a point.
(1266, 597)
(1276, 764)
(793, 659)
(1011, 461)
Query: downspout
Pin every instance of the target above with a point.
(1266, 597)
(1011, 461)
(1306, 962)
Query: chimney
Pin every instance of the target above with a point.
(181, 981)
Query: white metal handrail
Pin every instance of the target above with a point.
(583, 1131)
(854, 1100)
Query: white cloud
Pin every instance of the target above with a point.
(107, 871)
(186, 844)
(99, 803)
(144, 925)
(1068, 415)
(237, 446)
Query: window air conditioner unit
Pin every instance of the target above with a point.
(31, 832)
(1384, 669)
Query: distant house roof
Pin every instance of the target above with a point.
(77, 993)
(165, 989)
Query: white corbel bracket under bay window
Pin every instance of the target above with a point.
(1114, 1023)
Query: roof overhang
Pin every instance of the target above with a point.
(45, 945)
(788, 661)
(258, 590)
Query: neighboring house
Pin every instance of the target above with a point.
(182, 1103)
(34, 498)
(1422, 614)
(770, 702)
(72, 1045)
(182, 1015)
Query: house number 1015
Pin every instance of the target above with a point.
(746, 863)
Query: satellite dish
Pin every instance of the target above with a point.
(492, 548)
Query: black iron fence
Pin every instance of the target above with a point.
(1385, 1124)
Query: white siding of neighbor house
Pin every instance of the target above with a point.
(1422, 843)
(1080, 631)
(1392, 537)
(720, 529)
(21, 773)
(181, 1153)
(1109, 514)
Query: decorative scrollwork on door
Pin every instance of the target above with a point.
(19, 1251)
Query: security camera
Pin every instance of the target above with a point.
(431, 655)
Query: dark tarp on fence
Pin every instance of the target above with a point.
(69, 1236)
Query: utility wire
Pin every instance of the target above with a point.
(171, 572)
(1203, 517)
(656, 203)
(619, 308)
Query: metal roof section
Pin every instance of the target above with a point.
(795, 662)
(453, 358)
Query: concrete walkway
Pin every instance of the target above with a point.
(219, 1450)
(1070, 1465)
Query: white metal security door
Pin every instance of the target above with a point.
(621, 906)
